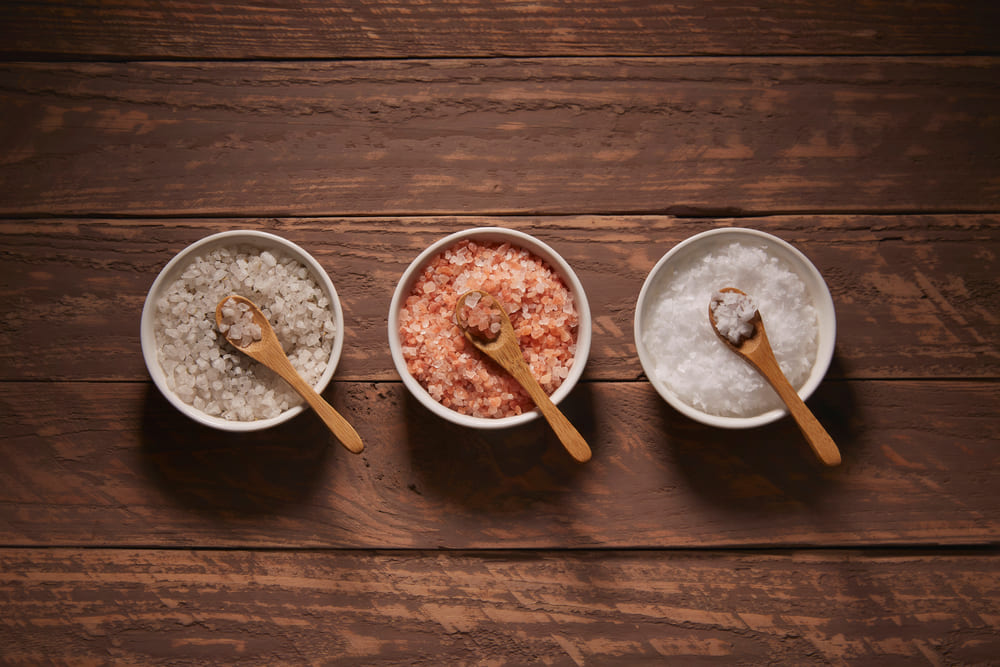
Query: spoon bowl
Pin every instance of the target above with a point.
(504, 349)
(267, 350)
(756, 349)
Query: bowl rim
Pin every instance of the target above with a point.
(815, 284)
(172, 269)
(536, 247)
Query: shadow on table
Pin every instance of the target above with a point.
(496, 471)
(232, 474)
(770, 467)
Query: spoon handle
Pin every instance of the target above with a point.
(510, 358)
(819, 440)
(564, 429)
(340, 427)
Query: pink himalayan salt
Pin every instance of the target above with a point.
(453, 372)
(479, 316)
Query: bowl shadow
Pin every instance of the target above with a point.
(770, 468)
(496, 472)
(229, 475)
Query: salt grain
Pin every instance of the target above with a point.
(479, 316)
(237, 324)
(698, 367)
(733, 313)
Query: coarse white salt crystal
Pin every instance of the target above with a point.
(237, 324)
(698, 367)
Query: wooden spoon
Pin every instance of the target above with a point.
(268, 351)
(757, 350)
(505, 350)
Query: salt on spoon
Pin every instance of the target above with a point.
(243, 325)
(736, 320)
(491, 332)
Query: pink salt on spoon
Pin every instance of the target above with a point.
(736, 320)
(485, 324)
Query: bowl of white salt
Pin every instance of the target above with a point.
(193, 365)
(544, 300)
(684, 359)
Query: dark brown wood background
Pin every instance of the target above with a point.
(865, 133)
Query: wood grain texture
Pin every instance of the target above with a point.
(559, 135)
(417, 28)
(99, 464)
(864, 132)
(426, 608)
(916, 296)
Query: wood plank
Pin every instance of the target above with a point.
(101, 464)
(431, 608)
(118, 29)
(559, 135)
(916, 296)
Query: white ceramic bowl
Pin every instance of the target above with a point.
(516, 238)
(707, 242)
(173, 270)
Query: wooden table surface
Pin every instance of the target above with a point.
(867, 134)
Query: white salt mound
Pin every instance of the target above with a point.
(698, 367)
(204, 370)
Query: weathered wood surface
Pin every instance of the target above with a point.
(559, 135)
(916, 296)
(865, 133)
(426, 608)
(101, 464)
(416, 28)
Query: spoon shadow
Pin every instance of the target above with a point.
(495, 472)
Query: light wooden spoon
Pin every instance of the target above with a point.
(505, 350)
(268, 351)
(757, 350)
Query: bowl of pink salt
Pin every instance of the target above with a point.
(687, 363)
(543, 298)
